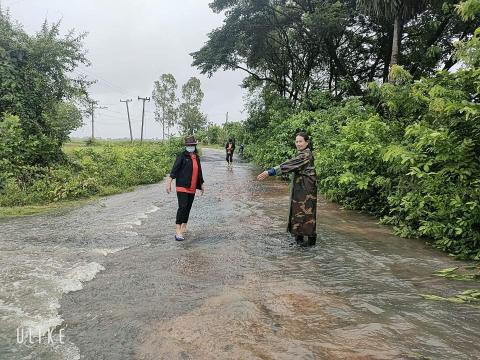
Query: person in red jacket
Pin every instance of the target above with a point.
(187, 172)
(229, 149)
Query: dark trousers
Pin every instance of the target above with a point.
(229, 158)
(312, 240)
(185, 202)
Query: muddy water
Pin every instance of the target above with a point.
(112, 277)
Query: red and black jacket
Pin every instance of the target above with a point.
(182, 170)
(233, 146)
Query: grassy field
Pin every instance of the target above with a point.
(74, 144)
(10, 211)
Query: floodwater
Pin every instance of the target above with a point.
(110, 282)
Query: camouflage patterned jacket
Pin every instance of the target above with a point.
(302, 218)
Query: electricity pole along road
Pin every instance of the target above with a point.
(128, 114)
(92, 110)
(143, 113)
(92, 106)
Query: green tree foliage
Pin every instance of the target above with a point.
(62, 119)
(212, 134)
(191, 117)
(165, 101)
(298, 46)
(37, 86)
(398, 11)
(219, 134)
(13, 148)
(469, 51)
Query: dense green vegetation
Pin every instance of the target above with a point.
(214, 134)
(402, 144)
(37, 84)
(300, 46)
(408, 153)
(101, 169)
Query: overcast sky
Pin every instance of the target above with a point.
(130, 44)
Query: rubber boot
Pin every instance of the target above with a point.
(299, 239)
(312, 240)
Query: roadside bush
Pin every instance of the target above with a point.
(102, 169)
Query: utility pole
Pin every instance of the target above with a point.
(128, 114)
(143, 113)
(93, 125)
(92, 110)
(93, 106)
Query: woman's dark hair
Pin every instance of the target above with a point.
(306, 137)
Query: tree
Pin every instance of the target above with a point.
(37, 85)
(274, 43)
(469, 51)
(191, 117)
(165, 101)
(295, 47)
(62, 119)
(398, 11)
(429, 39)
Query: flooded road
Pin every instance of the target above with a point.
(111, 279)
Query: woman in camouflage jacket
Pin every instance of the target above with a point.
(302, 218)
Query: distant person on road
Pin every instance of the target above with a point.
(229, 149)
(302, 218)
(242, 147)
(187, 171)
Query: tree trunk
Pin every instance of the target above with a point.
(330, 78)
(388, 40)
(397, 35)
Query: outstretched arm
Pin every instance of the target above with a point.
(288, 166)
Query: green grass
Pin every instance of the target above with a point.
(75, 144)
(28, 210)
(69, 147)
(100, 169)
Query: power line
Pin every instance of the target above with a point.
(15, 2)
(109, 116)
(112, 111)
(99, 78)
(109, 83)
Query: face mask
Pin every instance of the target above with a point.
(190, 148)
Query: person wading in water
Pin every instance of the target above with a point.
(229, 149)
(302, 218)
(187, 171)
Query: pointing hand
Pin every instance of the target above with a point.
(263, 175)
